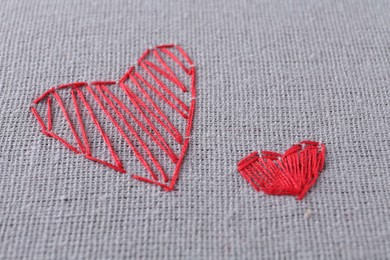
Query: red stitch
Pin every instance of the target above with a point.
(166, 75)
(292, 173)
(45, 94)
(159, 94)
(39, 118)
(121, 131)
(166, 46)
(175, 59)
(146, 53)
(158, 139)
(147, 114)
(126, 75)
(248, 160)
(168, 69)
(115, 167)
(248, 178)
(49, 119)
(86, 147)
(164, 87)
(71, 147)
(103, 82)
(188, 132)
(61, 104)
(72, 85)
(180, 49)
(295, 148)
(102, 132)
(138, 103)
(166, 188)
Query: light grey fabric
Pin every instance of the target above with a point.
(270, 73)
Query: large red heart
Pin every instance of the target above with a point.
(292, 173)
(151, 108)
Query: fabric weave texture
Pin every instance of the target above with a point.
(269, 74)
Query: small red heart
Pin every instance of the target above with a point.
(292, 173)
(152, 111)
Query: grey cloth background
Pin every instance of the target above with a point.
(270, 73)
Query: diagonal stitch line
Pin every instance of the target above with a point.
(178, 58)
(46, 93)
(137, 102)
(143, 144)
(164, 73)
(144, 55)
(51, 134)
(49, 118)
(63, 141)
(117, 113)
(310, 162)
(134, 133)
(115, 167)
(175, 59)
(61, 104)
(188, 132)
(39, 118)
(261, 164)
(287, 164)
(287, 179)
(159, 94)
(164, 87)
(304, 156)
(267, 175)
(292, 180)
(252, 174)
(251, 158)
(140, 105)
(167, 90)
(159, 140)
(249, 179)
(134, 77)
(278, 174)
(266, 178)
(308, 185)
(254, 177)
(103, 134)
(121, 131)
(140, 178)
(184, 54)
(169, 70)
(263, 179)
(80, 120)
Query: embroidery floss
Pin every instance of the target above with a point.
(292, 173)
(152, 89)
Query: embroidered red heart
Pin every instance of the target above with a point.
(151, 107)
(292, 173)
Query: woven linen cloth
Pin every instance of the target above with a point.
(269, 74)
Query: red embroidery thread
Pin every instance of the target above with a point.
(144, 86)
(292, 173)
